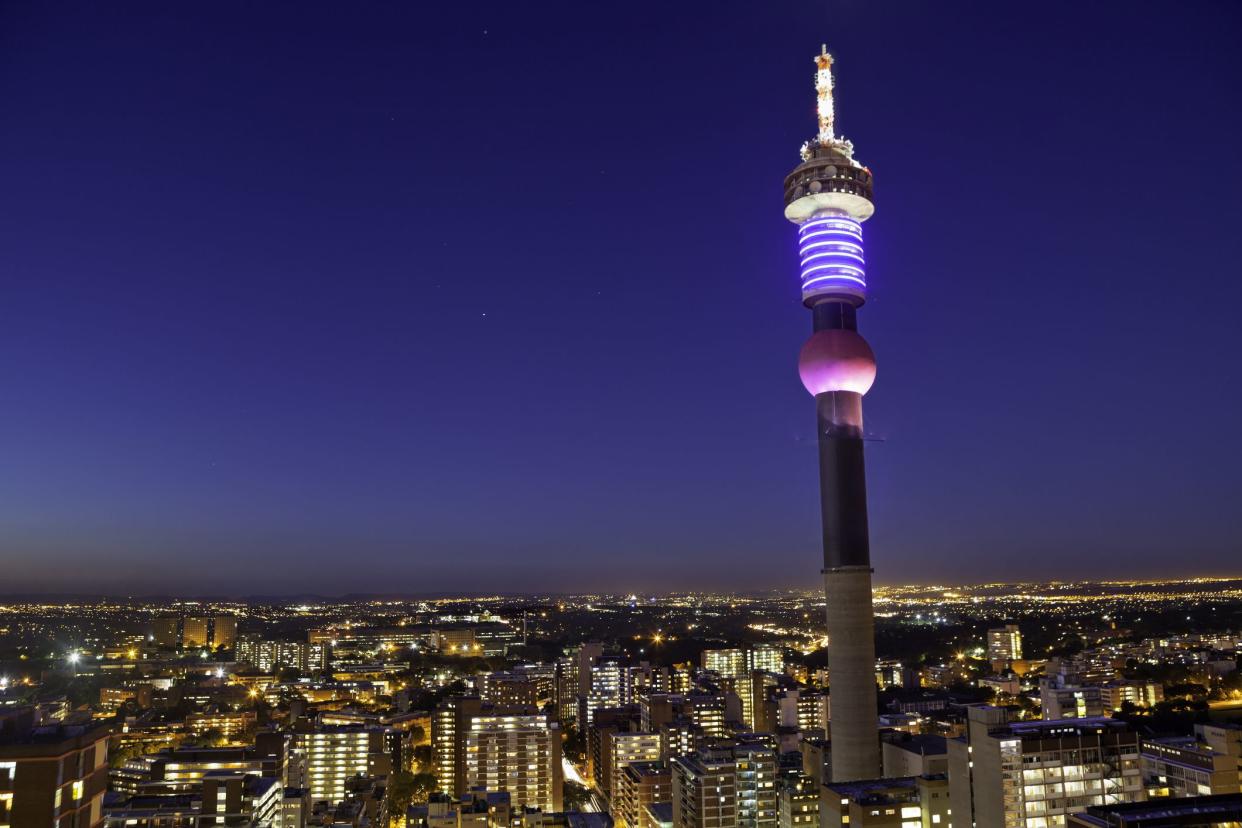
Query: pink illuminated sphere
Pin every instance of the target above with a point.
(836, 360)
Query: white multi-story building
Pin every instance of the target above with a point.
(515, 753)
(273, 655)
(1005, 643)
(333, 755)
(628, 748)
(1032, 774)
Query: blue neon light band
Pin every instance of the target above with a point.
(830, 251)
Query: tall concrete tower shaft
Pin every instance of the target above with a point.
(828, 196)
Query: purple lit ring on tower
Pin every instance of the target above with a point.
(831, 252)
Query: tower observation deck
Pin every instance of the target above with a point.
(828, 196)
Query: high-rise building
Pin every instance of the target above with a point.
(166, 631)
(755, 767)
(641, 784)
(1070, 702)
(828, 196)
(608, 720)
(240, 799)
(1114, 694)
(1224, 810)
(194, 632)
(725, 786)
(517, 752)
(911, 754)
(507, 689)
(1023, 773)
(295, 808)
(223, 631)
(625, 748)
(448, 729)
(333, 755)
(269, 656)
(573, 679)
(741, 664)
(791, 709)
(900, 802)
(704, 792)
(1004, 644)
(51, 774)
(797, 803)
(609, 686)
(514, 750)
(730, 662)
(1184, 766)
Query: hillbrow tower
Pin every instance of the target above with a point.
(828, 196)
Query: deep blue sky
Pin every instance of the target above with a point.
(448, 296)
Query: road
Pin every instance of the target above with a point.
(596, 804)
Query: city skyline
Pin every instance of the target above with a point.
(253, 330)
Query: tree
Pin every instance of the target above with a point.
(1169, 717)
(400, 793)
(576, 796)
(212, 737)
(120, 755)
(424, 787)
(422, 757)
(575, 744)
(1187, 689)
(288, 674)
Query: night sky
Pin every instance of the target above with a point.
(412, 297)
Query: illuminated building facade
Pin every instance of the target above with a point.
(641, 785)
(194, 632)
(725, 787)
(755, 769)
(1004, 644)
(625, 748)
(515, 752)
(181, 770)
(240, 799)
(609, 678)
(269, 656)
(828, 196)
(902, 802)
(1034, 774)
(51, 774)
(230, 724)
(1070, 702)
(740, 665)
(224, 631)
(331, 756)
(1138, 693)
(573, 678)
(166, 631)
(508, 689)
(1189, 766)
(704, 792)
(459, 642)
(797, 803)
(448, 727)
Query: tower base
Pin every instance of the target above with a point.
(851, 674)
